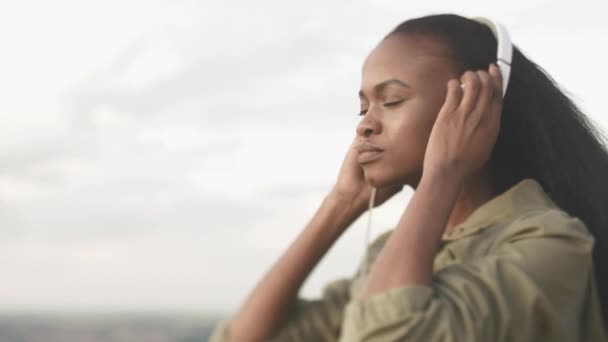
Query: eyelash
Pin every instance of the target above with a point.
(361, 113)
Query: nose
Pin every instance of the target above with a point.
(368, 126)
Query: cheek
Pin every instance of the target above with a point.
(413, 126)
(410, 146)
(410, 131)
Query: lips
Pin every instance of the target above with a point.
(367, 147)
(368, 152)
(368, 156)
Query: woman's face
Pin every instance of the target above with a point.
(403, 87)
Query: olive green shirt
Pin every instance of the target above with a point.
(517, 269)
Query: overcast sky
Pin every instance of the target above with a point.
(160, 155)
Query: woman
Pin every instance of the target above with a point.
(505, 235)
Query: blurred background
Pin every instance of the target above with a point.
(158, 156)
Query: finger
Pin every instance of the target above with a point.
(354, 143)
(452, 98)
(484, 100)
(497, 99)
(472, 85)
(497, 79)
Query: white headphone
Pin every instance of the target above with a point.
(504, 54)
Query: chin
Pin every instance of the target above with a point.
(379, 179)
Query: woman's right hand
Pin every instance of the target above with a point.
(352, 189)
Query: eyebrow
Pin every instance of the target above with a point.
(382, 85)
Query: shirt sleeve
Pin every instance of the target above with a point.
(309, 319)
(513, 293)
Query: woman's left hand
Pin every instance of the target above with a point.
(467, 126)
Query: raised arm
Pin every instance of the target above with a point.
(275, 297)
(261, 314)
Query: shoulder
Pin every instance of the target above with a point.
(544, 245)
(549, 223)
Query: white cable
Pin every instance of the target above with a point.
(368, 230)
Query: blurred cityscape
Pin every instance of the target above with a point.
(106, 328)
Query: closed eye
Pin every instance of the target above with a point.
(385, 105)
(393, 103)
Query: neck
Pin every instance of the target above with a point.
(476, 191)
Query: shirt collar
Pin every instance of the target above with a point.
(525, 195)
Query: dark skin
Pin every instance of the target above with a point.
(438, 141)
(399, 120)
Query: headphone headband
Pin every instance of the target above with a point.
(505, 48)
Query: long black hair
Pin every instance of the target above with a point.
(543, 134)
